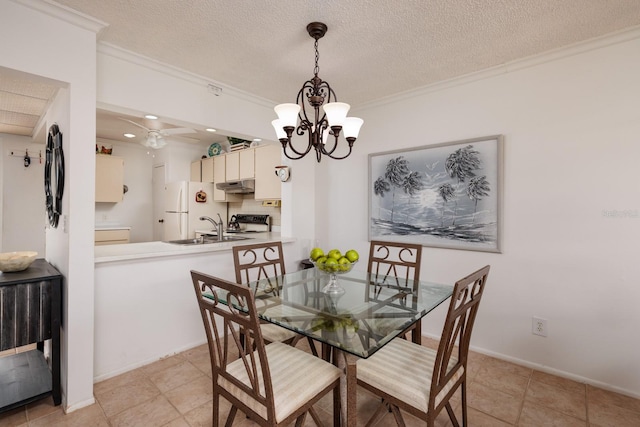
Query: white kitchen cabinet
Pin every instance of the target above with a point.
(207, 170)
(240, 165)
(268, 185)
(219, 175)
(232, 166)
(112, 236)
(196, 171)
(109, 178)
(247, 163)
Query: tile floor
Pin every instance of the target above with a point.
(176, 392)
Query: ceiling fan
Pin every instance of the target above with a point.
(155, 137)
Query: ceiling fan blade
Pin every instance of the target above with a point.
(176, 131)
(137, 124)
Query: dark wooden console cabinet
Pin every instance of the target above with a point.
(30, 306)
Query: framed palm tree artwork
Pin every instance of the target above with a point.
(444, 195)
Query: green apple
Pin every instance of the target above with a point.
(316, 253)
(344, 264)
(331, 264)
(335, 254)
(352, 255)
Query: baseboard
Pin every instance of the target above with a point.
(549, 370)
(79, 405)
(137, 365)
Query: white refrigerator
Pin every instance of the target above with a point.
(184, 203)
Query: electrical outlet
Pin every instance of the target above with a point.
(539, 326)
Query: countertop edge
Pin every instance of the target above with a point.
(146, 250)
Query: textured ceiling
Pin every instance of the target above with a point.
(373, 49)
(23, 100)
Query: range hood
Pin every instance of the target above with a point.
(241, 186)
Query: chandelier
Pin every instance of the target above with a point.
(326, 125)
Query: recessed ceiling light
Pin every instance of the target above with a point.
(257, 139)
(129, 135)
(151, 117)
(210, 129)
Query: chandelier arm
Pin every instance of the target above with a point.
(333, 148)
(343, 157)
(298, 155)
(288, 142)
(284, 150)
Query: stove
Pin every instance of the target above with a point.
(252, 223)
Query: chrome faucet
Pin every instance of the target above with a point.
(217, 225)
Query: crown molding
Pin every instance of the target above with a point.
(66, 14)
(173, 71)
(610, 39)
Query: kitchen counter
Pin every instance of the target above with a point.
(131, 251)
(146, 290)
(107, 226)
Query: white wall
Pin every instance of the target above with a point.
(133, 83)
(177, 158)
(136, 208)
(64, 51)
(23, 201)
(571, 126)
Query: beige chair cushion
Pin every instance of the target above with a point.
(272, 332)
(403, 369)
(275, 333)
(296, 377)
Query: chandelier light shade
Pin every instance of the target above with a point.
(317, 114)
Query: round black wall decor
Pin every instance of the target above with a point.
(54, 175)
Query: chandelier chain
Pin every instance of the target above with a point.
(316, 69)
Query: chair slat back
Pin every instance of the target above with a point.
(258, 261)
(222, 323)
(401, 260)
(456, 335)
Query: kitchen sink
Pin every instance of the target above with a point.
(206, 240)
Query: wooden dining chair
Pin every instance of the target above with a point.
(272, 384)
(420, 380)
(392, 264)
(265, 261)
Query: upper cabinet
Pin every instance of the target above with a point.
(196, 171)
(240, 165)
(206, 169)
(250, 163)
(267, 157)
(109, 178)
(232, 164)
(247, 163)
(219, 175)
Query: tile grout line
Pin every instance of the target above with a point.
(586, 403)
(524, 396)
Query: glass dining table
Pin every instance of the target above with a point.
(351, 322)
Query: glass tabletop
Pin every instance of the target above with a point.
(372, 310)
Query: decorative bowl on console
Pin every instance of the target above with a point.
(16, 261)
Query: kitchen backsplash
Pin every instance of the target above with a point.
(252, 206)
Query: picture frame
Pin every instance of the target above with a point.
(446, 195)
